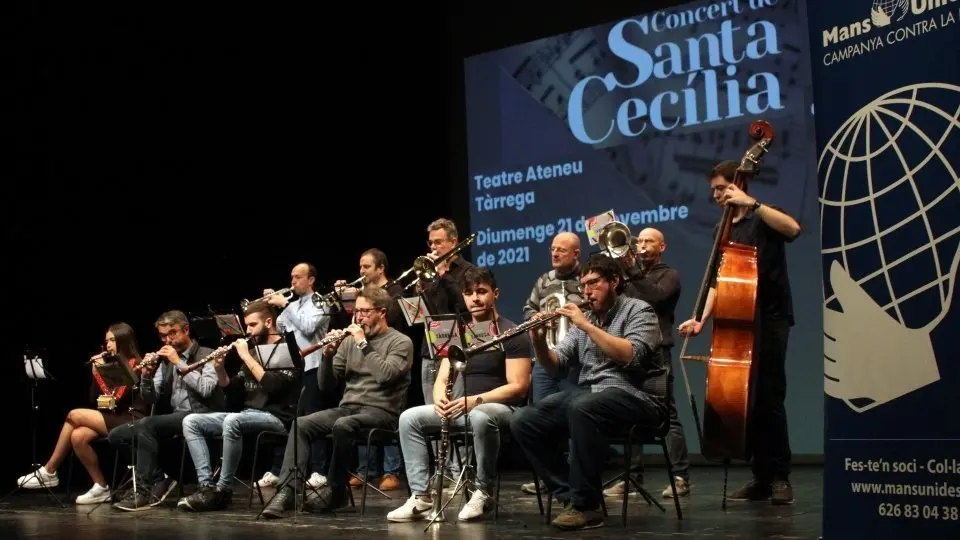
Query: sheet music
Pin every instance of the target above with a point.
(34, 368)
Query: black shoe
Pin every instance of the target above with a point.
(160, 490)
(782, 492)
(280, 503)
(135, 501)
(327, 500)
(206, 498)
(752, 491)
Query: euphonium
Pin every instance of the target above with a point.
(558, 327)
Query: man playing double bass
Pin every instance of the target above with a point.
(767, 228)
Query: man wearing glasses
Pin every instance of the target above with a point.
(617, 343)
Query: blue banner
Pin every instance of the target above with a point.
(887, 101)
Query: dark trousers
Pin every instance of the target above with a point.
(587, 419)
(313, 400)
(344, 423)
(149, 431)
(767, 426)
(676, 440)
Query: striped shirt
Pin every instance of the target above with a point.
(633, 320)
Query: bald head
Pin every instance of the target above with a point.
(565, 251)
(650, 245)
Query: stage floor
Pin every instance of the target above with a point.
(34, 514)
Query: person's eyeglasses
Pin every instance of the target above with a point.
(364, 311)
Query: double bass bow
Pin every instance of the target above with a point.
(730, 362)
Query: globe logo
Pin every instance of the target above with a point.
(890, 205)
(883, 11)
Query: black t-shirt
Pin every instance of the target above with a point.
(444, 297)
(487, 369)
(774, 300)
(659, 286)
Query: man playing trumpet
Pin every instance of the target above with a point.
(374, 361)
(271, 387)
(496, 382)
(618, 346)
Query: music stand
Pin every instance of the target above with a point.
(33, 366)
(118, 373)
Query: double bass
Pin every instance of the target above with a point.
(730, 362)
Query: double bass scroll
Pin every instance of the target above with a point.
(730, 362)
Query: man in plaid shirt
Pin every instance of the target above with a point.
(617, 345)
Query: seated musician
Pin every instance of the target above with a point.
(196, 391)
(83, 426)
(618, 346)
(496, 383)
(374, 362)
(271, 387)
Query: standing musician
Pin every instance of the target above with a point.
(767, 228)
(308, 323)
(618, 346)
(373, 271)
(195, 391)
(443, 295)
(271, 387)
(496, 384)
(374, 361)
(656, 283)
(83, 426)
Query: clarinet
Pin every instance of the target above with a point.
(444, 440)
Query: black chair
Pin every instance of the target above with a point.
(264, 437)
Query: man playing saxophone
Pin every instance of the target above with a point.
(621, 383)
(496, 382)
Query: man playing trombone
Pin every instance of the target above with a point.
(496, 383)
(196, 391)
(374, 362)
(271, 387)
(308, 323)
(621, 380)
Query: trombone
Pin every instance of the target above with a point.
(286, 293)
(426, 268)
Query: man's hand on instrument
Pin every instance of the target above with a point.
(242, 347)
(356, 330)
(275, 299)
(572, 312)
(442, 267)
(331, 348)
(734, 196)
(170, 354)
(691, 327)
(539, 333)
(450, 408)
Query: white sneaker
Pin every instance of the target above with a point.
(97, 494)
(317, 481)
(268, 480)
(39, 479)
(413, 510)
(475, 507)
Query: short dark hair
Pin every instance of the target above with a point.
(259, 307)
(378, 296)
(171, 318)
(474, 275)
(726, 169)
(602, 264)
(311, 271)
(379, 257)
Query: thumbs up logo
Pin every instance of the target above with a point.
(870, 358)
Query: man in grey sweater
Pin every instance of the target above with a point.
(374, 363)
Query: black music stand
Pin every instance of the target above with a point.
(118, 373)
(295, 475)
(33, 366)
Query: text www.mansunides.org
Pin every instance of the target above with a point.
(938, 489)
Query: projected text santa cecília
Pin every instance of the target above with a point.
(710, 57)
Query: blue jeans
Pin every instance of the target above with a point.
(197, 427)
(389, 459)
(545, 385)
(487, 420)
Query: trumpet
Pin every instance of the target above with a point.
(215, 355)
(332, 298)
(615, 239)
(286, 293)
(333, 339)
(426, 268)
(459, 356)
